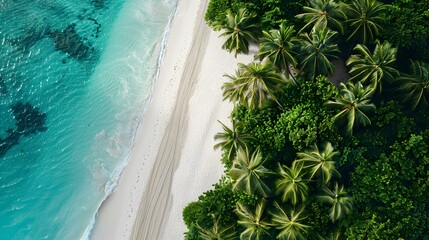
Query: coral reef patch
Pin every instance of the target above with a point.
(29, 120)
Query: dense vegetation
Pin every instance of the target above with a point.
(311, 157)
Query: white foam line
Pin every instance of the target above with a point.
(117, 172)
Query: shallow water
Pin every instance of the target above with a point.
(75, 77)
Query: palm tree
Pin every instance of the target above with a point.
(231, 139)
(353, 102)
(324, 13)
(364, 18)
(415, 87)
(291, 185)
(257, 227)
(291, 225)
(278, 46)
(341, 203)
(247, 172)
(216, 232)
(320, 162)
(239, 30)
(253, 85)
(316, 50)
(375, 67)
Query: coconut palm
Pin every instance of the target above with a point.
(247, 172)
(364, 18)
(278, 46)
(375, 67)
(239, 30)
(216, 232)
(231, 139)
(253, 85)
(291, 225)
(320, 162)
(341, 203)
(292, 185)
(324, 13)
(255, 223)
(316, 51)
(415, 87)
(353, 103)
(332, 236)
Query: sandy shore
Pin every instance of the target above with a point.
(173, 161)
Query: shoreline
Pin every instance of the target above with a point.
(171, 164)
(117, 214)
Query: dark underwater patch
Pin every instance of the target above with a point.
(29, 120)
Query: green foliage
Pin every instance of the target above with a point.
(291, 184)
(414, 87)
(354, 104)
(258, 122)
(269, 13)
(216, 12)
(253, 85)
(305, 120)
(218, 202)
(371, 68)
(230, 140)
(389, 124)
(365, 18)
(302, 120)
(299, 125)
(320, 162)
(317, 49)
(407, 27)
(384, 166)
(318, 220)
(254, 220)
(217, 231)
(290, 223)
(239, 30)
(341, 203)
(248, 173)
(390, 188)
(192, 213)
(192, 233)
(278, 46)
(324, 13)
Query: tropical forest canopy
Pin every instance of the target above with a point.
(329, 136)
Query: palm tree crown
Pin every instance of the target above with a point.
(364, 19)
(316, 50)
(216, 232)
(324, 13)
(291, 185)
(239, 30)
(231, 139)
(256, 225)
(247, 172)
(320, 162)
(278, 46)
(375, 67)
(341, 203)
(291, 225)
(353, 102)
(253, 85)
(415, 87)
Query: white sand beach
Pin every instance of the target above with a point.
(172, 161)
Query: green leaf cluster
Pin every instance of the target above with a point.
(269, 13)
(407, 27)
(218, 202)
(391, 190)
(282, 182)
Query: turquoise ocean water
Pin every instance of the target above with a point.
(75, 76)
